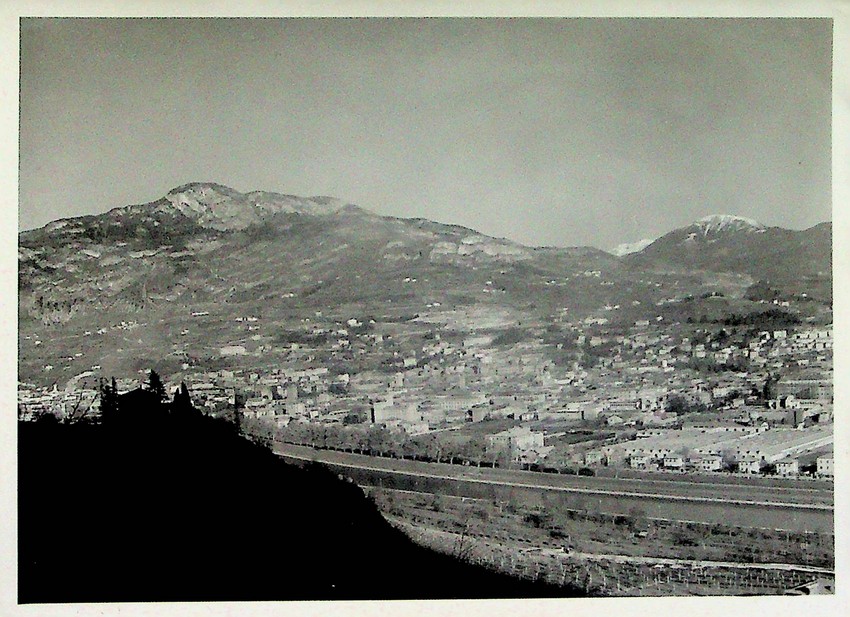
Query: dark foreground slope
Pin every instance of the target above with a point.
(170, 509)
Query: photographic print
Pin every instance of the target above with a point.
(424, 308)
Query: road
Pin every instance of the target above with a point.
(815, 496)
(693, 563)
(806, 508)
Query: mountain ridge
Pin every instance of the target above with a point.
(197, 200)
(220, 253)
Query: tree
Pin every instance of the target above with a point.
(475, 449)
(730, 460)
(108, 400)
(463, 547)
(425, 445)
(452, 451)
(637, 518)
(294, 432)
(77, 412)
(335, 436)
(238, 405)
(498, 454)
(679, 404)
(156, 386)
(182, 402)
(356, 439)
(676, 403)
(398, 444)
(261, 430)
(377, 440)
(770, 391)
(351, 419)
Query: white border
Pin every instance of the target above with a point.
(11, 10)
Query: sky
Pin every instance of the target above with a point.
(557, 132)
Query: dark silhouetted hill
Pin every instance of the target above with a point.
(178, 507)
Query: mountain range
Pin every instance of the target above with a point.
(207, 250)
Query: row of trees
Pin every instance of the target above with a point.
(377, 440)
(381, 441)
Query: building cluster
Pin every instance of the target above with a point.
(34, 402)
(767, 393)
(747, 449)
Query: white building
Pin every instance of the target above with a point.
(674, 462)
(750, 464)
(518, 439)
(639, 461)
(788, 467)
(826, 465)
(710, 463)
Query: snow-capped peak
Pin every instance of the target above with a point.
(717, 223)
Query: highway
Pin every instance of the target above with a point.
(808, 507)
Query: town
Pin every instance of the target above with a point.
(742, 396)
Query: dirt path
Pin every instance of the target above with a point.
(692, 563)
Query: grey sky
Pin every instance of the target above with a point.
(547, 131)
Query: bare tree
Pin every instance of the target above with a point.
(77, 412)
(463, 546)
